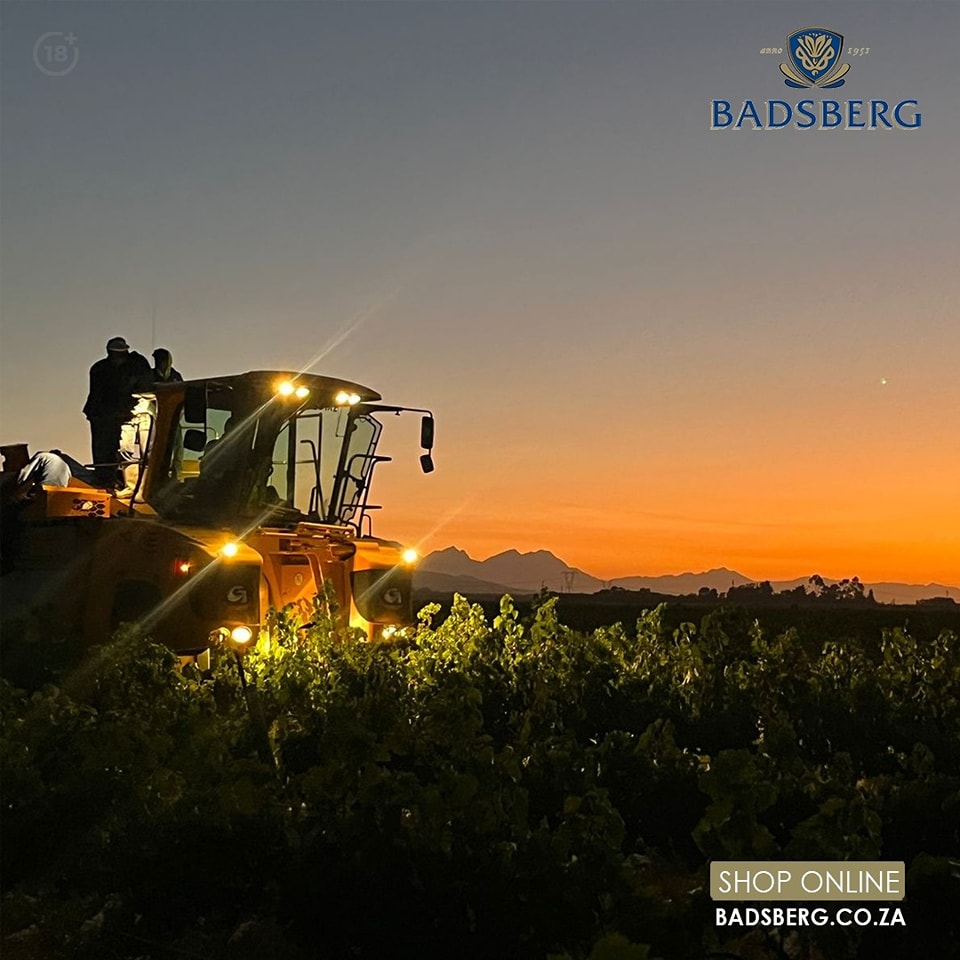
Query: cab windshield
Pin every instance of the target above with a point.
(322, 461)
(270, 465)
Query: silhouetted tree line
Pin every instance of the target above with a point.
(847, 591)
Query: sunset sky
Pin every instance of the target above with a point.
(650, 347)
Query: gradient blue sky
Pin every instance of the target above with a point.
(650, 346)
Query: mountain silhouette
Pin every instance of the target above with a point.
(511, 571)
(521, 572)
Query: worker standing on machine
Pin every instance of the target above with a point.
(110, 404)
(163, 369)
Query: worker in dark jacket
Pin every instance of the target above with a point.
(113, 381)
(163, 370)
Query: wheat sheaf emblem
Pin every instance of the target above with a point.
(815, 51)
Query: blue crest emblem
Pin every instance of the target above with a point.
(814, 59)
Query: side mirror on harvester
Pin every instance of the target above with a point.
(426, 441)
(426, 433)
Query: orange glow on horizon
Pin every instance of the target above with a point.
(785, 522)
(683, 553)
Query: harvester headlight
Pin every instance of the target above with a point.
(241, 635)
(286, 388)
(410, 556)
(230, 549)
(301, 393)
(343, 398)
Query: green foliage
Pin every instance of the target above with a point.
(502, 788)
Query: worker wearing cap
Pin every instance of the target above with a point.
(113, 381)
(163, 369)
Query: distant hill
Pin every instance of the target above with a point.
(521, 572)
(448, 583)
(910, 592)
(719, 579)
(453, 569)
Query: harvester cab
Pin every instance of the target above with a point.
(252, 493)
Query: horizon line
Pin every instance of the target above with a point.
(694, 573)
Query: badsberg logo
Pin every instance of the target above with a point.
(815, 54)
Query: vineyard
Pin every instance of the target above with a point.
(498, 787)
